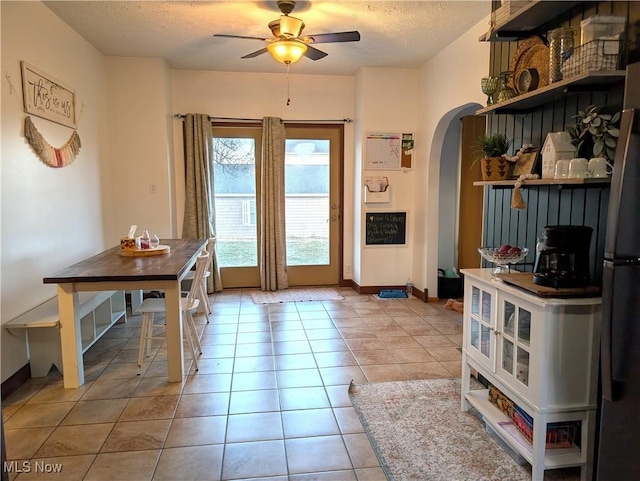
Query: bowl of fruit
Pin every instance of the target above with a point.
(503, 256)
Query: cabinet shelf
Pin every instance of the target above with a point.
(555, 91)
(536, 182)
(554, 458)
(526, 21)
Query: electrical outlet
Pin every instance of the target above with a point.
(347, 269)
(153, 189)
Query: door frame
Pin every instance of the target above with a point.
(227, 273)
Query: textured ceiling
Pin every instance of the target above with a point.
(397, 34)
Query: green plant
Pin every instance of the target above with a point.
(492, 145)
(595, 134)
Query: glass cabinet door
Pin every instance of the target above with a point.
(506, 341)
(514, 341)
(481, 321)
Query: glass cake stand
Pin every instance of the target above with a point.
(502, 260)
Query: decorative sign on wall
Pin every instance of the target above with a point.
(385, 228)
(47, 97)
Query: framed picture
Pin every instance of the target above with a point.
(526, 164)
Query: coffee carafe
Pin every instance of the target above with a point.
(562, 256)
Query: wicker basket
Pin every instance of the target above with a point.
(495, 168)
(594, 56)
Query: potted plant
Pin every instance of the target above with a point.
(595, 134)
(492, 149)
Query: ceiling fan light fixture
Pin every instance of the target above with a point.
(291, 26)
(287, 51)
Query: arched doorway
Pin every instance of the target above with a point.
(460, 203)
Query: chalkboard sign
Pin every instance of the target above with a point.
(386, 228)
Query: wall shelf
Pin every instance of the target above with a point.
(536, 182)
(557, 90)
(526, 21)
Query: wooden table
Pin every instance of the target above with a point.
(110, 271)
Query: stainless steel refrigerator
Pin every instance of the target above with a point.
(618, 457)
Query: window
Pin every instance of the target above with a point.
(249, 212)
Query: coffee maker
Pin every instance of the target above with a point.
(562, 257)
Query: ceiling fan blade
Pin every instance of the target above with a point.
(238, 36)
(314, 53)
(353, 36)
(256, 53)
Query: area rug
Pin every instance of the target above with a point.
(419, 433)
(296, 295)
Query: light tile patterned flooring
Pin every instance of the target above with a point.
(270, 400)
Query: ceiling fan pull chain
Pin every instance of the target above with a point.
(288, 87)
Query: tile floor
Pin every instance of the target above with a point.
(270, 400)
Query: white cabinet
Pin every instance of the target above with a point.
(542, 353)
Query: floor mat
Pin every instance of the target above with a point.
(296, 295)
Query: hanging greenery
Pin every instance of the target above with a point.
(50, 155)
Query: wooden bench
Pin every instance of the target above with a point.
(98, 311)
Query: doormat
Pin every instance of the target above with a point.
(296, 295)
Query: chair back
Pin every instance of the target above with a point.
(211, 245)
(202, 263)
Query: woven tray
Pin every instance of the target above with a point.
(538, 57)
(154, 251)
(516, 64)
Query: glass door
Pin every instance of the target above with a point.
(313, 199)
(482, 319)
(515, 343)
(313, 172)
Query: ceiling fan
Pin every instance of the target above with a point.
(287, 45)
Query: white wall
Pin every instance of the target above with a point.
(447, 82)
(140, 127)
(50, 217)
(386, 104)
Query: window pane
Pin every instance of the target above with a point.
(307, 209)
(235, 200)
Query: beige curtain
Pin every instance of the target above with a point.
(199, 211)
(272, 235)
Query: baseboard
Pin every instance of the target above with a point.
(16, 380)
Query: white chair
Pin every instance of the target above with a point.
(202, 291)
(189, 304)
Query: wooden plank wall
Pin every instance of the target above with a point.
(552, 205)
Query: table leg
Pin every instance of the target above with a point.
(70, 337)
(174, 331)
